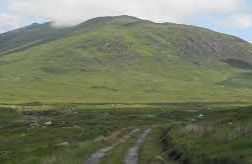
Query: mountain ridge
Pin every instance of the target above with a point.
(124, 59)
(50, 25)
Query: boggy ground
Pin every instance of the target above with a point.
(155, 133)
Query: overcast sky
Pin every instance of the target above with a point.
(227, 16)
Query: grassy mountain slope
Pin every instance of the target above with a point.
(25, 37)
(125, 59)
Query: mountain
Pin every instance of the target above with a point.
(123, 59)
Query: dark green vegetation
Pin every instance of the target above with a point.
(123, 59)
(71, 134)
(223, 136)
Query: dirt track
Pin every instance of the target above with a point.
(99, 155)
(132, 155)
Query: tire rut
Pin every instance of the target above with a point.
(99, 155)
(132, 155)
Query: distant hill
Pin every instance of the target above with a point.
(123, 59)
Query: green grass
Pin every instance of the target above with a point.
(26, 142)
(121, 73)
(151, 151)
(223, 135)
(241, 80)
(124, 59)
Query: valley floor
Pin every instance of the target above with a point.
(189, 133)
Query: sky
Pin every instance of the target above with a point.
(227, 16)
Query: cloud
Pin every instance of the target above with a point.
(9, 21)
(239, 21)
(70, 12)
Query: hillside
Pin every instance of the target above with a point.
(123, 59)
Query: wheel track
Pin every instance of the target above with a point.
(99, 155)
(132, 156)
